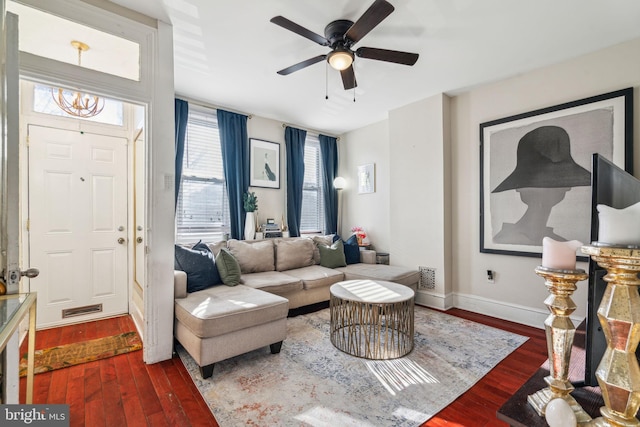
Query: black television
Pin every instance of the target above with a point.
(611, 186)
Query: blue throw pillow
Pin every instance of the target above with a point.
(199, 265)
(352, 250)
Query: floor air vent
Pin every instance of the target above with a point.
(427, 278)
(80, 311)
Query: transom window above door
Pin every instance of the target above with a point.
(50, 36)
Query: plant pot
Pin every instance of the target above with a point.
(250, 226)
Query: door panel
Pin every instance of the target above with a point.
(77, 214)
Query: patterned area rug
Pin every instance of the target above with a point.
(311, 383)
(67, 355)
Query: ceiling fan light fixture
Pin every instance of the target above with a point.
(340, 59)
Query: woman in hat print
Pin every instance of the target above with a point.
(544, 172)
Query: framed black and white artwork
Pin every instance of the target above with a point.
(535, 171)
(264, 159)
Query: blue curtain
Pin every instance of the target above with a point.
(294, 139)
(329, 154)
(181, 115)
(235, 161)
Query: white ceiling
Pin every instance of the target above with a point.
(227, 52)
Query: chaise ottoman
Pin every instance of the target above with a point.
(220, 322)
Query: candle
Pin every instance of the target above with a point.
(559, 255)
(619, 226)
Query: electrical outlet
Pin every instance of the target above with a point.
(491, 276)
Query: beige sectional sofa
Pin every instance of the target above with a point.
(276, 275)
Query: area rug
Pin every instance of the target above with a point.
(67, 355)
(311, 383)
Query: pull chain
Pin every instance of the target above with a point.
(326, 81)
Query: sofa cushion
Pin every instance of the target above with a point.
(351, 250)
(199, 265)
(390, 273)
(326, 240)
(228, 267)
(254, 256)
(272, 281)
(332, 256)
(217, 311)
(317, 276)
(294, 253)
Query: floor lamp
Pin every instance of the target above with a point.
(339, 183)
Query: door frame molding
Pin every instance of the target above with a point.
(155, 91)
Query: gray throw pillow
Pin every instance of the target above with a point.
(228, 268)
(332, 256)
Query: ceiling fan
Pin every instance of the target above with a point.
(340, 36)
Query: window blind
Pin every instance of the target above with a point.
(312, 191)
(203, 205)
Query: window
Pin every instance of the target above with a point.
(43, 102)
(312, 190)
(203, 205)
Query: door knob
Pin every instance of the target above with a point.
(121, 240)
(30, 273)
(139, 240)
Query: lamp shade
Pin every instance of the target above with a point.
(340, 59)
(339, 183)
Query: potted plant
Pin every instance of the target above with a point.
(250, 201)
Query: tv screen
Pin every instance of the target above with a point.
(611, 186)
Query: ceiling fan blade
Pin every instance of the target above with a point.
(348, 78)
(376, 13)
(301, 65)
(395, 56)
(292, 26)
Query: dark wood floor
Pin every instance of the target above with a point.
(124, 391)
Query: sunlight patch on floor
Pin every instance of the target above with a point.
(321, 416)
(410, 414)
(398, 374)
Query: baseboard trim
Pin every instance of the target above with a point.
(512, 312)
(433, 300)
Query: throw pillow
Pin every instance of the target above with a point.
(332, 256)
(203, 247)
(294, 253)
(199, 266)
(228, 267)
(253, 256)
(352, 250)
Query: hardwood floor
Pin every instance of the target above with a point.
(124, 391)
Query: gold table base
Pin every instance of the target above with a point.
(372, 330)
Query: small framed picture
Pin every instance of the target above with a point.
(366, 178)
(264, 158)
(271, 221)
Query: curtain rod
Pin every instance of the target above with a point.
(208, 105)
(313, 131)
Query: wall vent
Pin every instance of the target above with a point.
(80, 311)
(427, 278)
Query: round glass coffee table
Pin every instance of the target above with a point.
(372, 319)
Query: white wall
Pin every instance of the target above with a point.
(370, 211)
(408, 213)
(516, 285)
(412, 148)
(271, 201)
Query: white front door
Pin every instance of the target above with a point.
(77, 224)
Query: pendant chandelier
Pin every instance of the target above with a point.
(79, 104)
